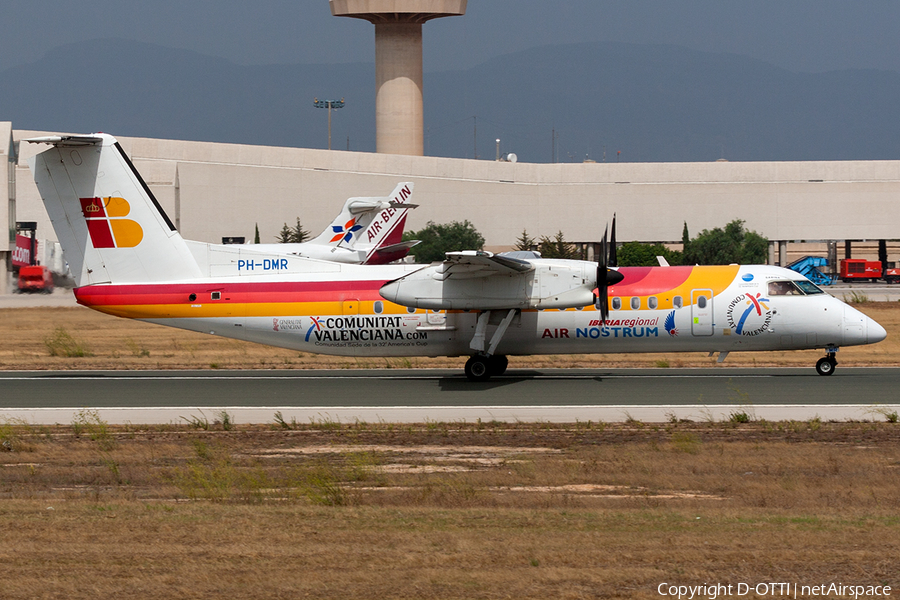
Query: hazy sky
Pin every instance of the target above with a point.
(800, 35)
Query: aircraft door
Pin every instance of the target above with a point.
(702, 312)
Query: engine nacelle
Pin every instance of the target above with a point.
(552, 284)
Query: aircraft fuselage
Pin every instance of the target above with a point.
(654, 309)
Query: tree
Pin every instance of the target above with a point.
(292, 235)
(284, 236)
(636, 254)
(726, 246)
(438, 239)
(298, 234)
(256, 235)
(525, 242)
(557, 247)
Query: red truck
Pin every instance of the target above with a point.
(859, 269)
(35, 278)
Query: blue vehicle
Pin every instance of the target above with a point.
(808, 266)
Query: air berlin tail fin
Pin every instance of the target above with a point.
(368, 222)
(110, 225)
(385, 233)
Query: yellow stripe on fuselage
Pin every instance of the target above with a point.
(257, 309)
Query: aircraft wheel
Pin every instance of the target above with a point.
(826, 365)
(478, 368)
(498, 364)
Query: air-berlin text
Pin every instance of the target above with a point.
(385, 216)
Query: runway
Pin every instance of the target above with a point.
(410, 395)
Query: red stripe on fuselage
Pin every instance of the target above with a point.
(109, 295)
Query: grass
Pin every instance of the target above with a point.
(62, 343)
(89, 422)
(447, 510)
(739, 417)
(855, 297)
(280, 422)
(137, 349)
(889, 415)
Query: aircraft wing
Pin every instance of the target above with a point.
(478, 263)
(478, 280)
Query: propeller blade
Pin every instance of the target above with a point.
(602, 257)
(613, 261)
(603, 305)
(602, 296)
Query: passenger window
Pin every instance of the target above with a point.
(677, 302)
(379, 307)
(635, 303)
(652, 302)
(701, 302)
(410, 309)
(216, 295)
(616, 303)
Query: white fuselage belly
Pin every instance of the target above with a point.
(791, 323)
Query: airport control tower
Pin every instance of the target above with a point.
(398, 65)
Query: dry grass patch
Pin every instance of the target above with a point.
(534, 511)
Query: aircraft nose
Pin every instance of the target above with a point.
(874, 332)
(860, 329)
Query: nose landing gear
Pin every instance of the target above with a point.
(826, 364)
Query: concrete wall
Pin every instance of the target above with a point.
(215, 190)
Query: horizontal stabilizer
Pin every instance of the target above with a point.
(67, 141)
(387, 254)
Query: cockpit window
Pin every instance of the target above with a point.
(784, 288)
(809, 287)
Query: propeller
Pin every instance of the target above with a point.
(606, 276)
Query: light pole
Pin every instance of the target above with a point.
(329, 104)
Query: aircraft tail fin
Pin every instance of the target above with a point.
(109, 223)
(369, 223)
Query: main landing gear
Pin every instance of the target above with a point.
(826, 364)
(481, 367)
(484, 363)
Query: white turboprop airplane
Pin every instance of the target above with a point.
(368, 231)
(128, 260)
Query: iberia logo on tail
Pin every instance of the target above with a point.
(107, 224)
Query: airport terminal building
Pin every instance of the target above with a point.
(213, 191)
